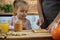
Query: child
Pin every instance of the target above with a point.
(21, 8)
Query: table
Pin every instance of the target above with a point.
(30, 36)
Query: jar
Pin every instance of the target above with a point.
(18, 26)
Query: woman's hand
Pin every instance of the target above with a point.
(52, 26)
(40, 21)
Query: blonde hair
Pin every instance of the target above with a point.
(19, 3)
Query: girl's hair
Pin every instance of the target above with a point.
(18, 3)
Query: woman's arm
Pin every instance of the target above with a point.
(39, 7)
(56, 20)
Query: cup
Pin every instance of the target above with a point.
(4, 27)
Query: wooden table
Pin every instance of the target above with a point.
(30, 36)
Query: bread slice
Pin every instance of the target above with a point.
(40, 31)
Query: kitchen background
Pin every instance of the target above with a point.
(32, 12)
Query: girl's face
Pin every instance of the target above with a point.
(21, 12)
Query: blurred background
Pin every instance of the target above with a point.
(32, 14)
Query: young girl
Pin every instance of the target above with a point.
(21, 8)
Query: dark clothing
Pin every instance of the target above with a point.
(50, 9)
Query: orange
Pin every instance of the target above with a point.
(56, 33)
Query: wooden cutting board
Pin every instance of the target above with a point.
(30, 34)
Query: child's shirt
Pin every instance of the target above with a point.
(13, 19)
